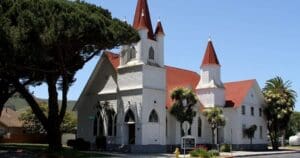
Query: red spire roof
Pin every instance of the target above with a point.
(142, 9)
(210, 57)
(142, 23)
(159, 29)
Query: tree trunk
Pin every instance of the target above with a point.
(54, 133)
(32, 103)
(276, 143)
(283, 138)
(213, 135)
(65, 88)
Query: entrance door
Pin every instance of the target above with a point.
(131, 133)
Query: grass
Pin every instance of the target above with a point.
(40, 150)
(293, 147)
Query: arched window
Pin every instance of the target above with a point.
(131, 54)
(110, 125)
(98, 125)
(115, 125)
(151, 53)
(95, 126)
(129, 117)
(166, 127)
(153, 116)
(199, 127)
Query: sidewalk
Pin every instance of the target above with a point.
(256, 153)
(222, 154)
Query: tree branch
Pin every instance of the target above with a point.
(32, 103)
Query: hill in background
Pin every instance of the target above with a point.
(19, 104)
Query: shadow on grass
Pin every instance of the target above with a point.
(41, 151)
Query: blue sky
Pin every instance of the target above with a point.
(253, 39)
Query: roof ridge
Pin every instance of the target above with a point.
(181, 69)
(110, 52)
(246, 80)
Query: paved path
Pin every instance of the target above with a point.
(258, 153)
(292, 155)
(16, 154)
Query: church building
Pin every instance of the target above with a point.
(127, 97)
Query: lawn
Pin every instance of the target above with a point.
(292, 147)
(40, 150)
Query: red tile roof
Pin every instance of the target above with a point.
(159, 29)
(235, 92)
(210, 56)
(143, 9)
(113, 58)
(10, 118)
(176, 78)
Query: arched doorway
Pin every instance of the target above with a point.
(130, 121)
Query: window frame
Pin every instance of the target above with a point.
(260, 132)
(131, 54)
(243, 129)
(199, 132)
(151, 54)
(260, 112)
(153, 117)
(243, 110)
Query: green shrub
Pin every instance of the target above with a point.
(200, 152)
(213, 153)
(101, 142)
(79, 144)
(225, 148)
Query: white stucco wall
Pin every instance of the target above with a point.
(211, 97)
(130, 78)
(103, 75)
(253, 99)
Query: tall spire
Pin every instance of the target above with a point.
(210, 57)
(159, 29)
(142, 13)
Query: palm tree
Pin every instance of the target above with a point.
(182, 108)
(280, 100)
(250, 132)
(215, 119)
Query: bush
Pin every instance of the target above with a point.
(101, 142)
(79, 144)
(225, 148)
(71, 142)
(213, 153)
(200, 152)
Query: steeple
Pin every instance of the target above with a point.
(142, 14)
(159, 29)
(210, 57)
(210, 88)
(143, 23)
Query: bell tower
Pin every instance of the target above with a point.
(210, 88)
(142, 81)
(150, 49)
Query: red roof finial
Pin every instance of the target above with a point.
(210, 57)
(159, 29)
(142, 14)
